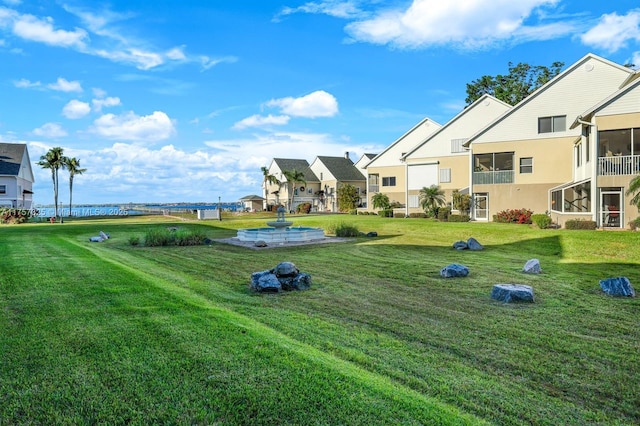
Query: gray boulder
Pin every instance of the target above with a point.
(460, 245)
(509, 293)
(104, 235)
(474, 245)
(454, 270)
(260, 243)
(285, 269)
(372, 234)
(532, 267)
(620, 286)
(96, 239)
(265, 282)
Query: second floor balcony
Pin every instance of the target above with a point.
(619, 165)
(493, 177)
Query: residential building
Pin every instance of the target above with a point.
(442, 159)
(16, 176)
(606, 159)
(332, 172)
(281, 194)
(386, 173)
(528, 151)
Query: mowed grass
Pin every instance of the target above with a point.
(109, 333)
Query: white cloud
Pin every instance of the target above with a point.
(131, 127)
(50, 130)
(316, 104)
(613, 31)
(464, 23)
(24, 83)
(64, 85)
(76, 109)
(335, 8)
(41, 30)
(260, 121)
(110, 101)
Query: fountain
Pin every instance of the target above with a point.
(281, 231)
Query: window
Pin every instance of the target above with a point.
(526, 165)
(389, 181)
(456, 145)
(414, 201)
(556, 123)
(3, 189)
(445, 175)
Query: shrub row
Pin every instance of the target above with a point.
(580, 224)
(157, 237)
(542, 221)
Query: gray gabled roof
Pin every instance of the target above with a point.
(300, 165)
(342, 168)
(252, 197)
(11, 155)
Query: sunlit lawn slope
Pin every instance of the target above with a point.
(111, 333)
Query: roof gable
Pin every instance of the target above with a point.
(288, 164)
(12, 156)
(565, 94)
(341, 168)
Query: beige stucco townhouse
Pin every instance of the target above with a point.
(441, 158)
(386, 173)
(332, 173)
(280, 194)
(529, 150)
(606, 158)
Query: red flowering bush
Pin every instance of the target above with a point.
(10, 215)
(513, 216)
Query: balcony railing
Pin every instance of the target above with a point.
(619, 165)
(488, 178)
(374, 188)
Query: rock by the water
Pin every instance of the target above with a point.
(620, 286)
(454, 270)
(460, 245)
(285, 276)
(474, 245)
(260, 243)
(532, 267)
(265, 282)
(509, 293)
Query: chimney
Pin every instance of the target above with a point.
(346, 155)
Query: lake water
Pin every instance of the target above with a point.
(87, 211)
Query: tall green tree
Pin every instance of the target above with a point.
(348, 197)
(294, 177)
(267, 179)
(73, 167)
(54, 161)
(431, 198)
(380, 201)
(522, 80)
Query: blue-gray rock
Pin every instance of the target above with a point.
(104, 235)
(260, 243)
(532, 267)
(454, 270)
(372, 234)
(265, 282)
(474, 245)
(285, 269)
(302, 281)
(620, 286)
(96, 239)
(460, 245)
(509, 293)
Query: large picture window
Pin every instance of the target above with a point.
(553, 124)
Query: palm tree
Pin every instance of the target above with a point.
(294, 177)
(431, 198)
(53, 160)
(634, 188)
(267, 179)
(380, 201)
(73, 166)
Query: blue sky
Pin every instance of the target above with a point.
(170, 101)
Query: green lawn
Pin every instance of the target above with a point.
(108, 333)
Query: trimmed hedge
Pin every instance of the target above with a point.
(542, 221)
(580, 224)
(459, 218)
(385, 213)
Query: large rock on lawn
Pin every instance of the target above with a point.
(509, 293)
(620, 286)
(454, 270)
